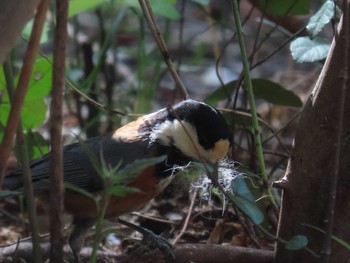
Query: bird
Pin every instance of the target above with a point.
(189, 131)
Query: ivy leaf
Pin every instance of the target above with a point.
(77, 6)
(305, 49)
(321, 18)
(240, 188)
(244, 200)
(297, 242)
(274, 93)
(265, 89)
(39, 87)
(282, 8)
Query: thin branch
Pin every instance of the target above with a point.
(92, 101)
(189, 213)
(20, 92)
(56, 156)
(275, 133)
(154, 27)
(83, 95)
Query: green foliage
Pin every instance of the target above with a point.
(263, 88)
(305, 49)
(6, 193)
(36, 145)
(280, 8)
(131, 171)
(77, 6)
(83, 192)
(297, 242)
(313, 48)
(340, 241)
(34, 107)
(244, 200)
(321, 18)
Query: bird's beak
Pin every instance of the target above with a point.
(221, 148)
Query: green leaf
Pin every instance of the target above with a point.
(201, 2)
(249, 209)
(164, 8)
(78, 6)
(34, 108)
(82, 191)
(40, 80)
(121, 190)
(305, 49)
(263, 88)
(275, 93)
(240, 188)
(282, 8)
(297, 242)
(37, 145)
(6, 193)
(131, 171)
(244, 200)
(321, 18)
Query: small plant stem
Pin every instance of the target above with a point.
(154, 27)
(99, 224)
(26, 177)
(248, 83)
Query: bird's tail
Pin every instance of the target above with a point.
(12, 181)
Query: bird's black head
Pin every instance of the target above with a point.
(196, 129)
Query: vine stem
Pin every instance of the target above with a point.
(248, 83)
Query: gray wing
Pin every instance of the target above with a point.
(77, 166)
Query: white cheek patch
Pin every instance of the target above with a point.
(184, 137)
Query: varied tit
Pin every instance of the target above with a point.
(188, 131)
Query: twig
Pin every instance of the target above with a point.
(26, 173)
(20, 92)
(277, 49)
(275, 133)
(327, 241)
(154, 27)
(94, 102)
(189, 213)
(56, 118)
(82, 94)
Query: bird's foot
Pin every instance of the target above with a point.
(156, 240)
